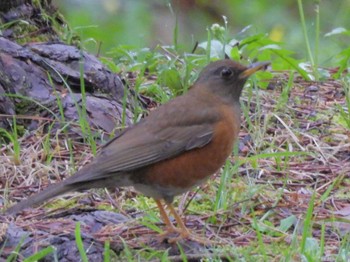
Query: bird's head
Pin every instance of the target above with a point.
(226, 78)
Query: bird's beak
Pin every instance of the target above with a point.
(253, 68)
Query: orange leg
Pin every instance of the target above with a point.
(182, 230)
(165, 217)
(169, 226)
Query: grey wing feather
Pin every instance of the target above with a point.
(131, 150)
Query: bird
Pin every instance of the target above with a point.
(176, 147)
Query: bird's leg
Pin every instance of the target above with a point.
(169, 226)
(183, 230)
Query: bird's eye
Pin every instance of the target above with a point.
(226, 72)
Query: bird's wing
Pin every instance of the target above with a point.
(139, 147)
(149, 148)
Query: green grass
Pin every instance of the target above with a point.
(13, 138)
(345, 109)
(313, 58)
(79, 243)
(41, 254)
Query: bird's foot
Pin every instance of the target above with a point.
(192, 237)
(182, 234)
(182, 231)
(169, 232)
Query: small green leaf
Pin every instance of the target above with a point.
(287, 223)
(171, 78)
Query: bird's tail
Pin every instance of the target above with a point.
(49, 192)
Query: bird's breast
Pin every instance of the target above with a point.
(182, 172)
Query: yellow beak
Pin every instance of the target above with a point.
(253, 68)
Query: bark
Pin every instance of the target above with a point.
(34, 80)
(37, 73)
